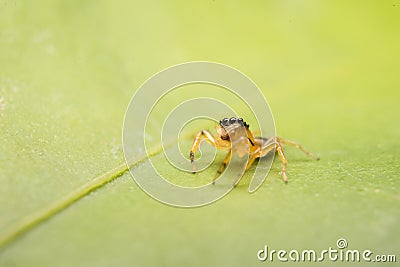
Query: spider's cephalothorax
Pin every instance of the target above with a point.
(258, 146)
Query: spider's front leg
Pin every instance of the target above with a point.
(210, 139)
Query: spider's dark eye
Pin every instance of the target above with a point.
(232, 120)
(224, 122)
(240, 120)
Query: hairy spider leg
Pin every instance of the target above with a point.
(250, 136)
(269, 145)
(218, 143)
(253, 155)
(277, 142)
(279, 149)
(255, 152)
(297, 145)
(223, 165)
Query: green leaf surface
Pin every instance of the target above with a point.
(68, 70)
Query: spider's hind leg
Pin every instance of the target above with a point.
(279, 149)
(297, 145)
(270, 145)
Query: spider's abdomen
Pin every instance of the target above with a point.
(232, 121)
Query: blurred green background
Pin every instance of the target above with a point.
(329, 70)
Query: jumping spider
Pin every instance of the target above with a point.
(258, 146)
